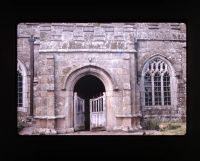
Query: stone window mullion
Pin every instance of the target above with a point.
(162, 91)
(19, 89)
(152, 84)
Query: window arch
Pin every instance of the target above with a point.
(22, 87)
(157, 81)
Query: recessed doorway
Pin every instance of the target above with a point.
(89, 106)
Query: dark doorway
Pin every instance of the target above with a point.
(89, 87)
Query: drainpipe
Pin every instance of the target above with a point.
(31, 41)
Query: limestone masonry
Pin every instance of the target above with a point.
(138, 69)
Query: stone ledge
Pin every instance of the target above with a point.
(85, 50)
(50, 57)
(158, 108)
(168, 116)
(139, 115)
(176, 40)
(24, 36)
(22, 109)
(49, 117)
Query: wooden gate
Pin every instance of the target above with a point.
(79, 113)
(97, 113)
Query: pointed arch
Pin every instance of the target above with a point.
(164, 62)
(163, 83)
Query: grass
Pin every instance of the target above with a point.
(173, 128)
(165, 128)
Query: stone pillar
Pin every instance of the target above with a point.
(126, 98)
(45, 109)
(50, 92)
(135, 92)
(109, 110)
(126, 113)
(60, 111)
(69, 111)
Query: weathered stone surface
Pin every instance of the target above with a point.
(113, 52)
(44, 131)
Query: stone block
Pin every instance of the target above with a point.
(126, 100)
(43, 93)
(43, 101)
(43, 87)
(88, 29)
(41, 123)
(68, 27)
(44, 36)
(50, 79)
(50, 87)
(50, 62)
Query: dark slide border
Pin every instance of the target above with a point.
(86, 147)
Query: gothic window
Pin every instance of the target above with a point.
(157, 90)
(19, 89)
(22, 87)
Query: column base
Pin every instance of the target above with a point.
(70, 130)
(44, 131)
(64, 131)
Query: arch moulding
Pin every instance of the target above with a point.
(79, 72)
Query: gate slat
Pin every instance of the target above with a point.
(97, 113)
(101, 104)
(97, 105)
(79, 117)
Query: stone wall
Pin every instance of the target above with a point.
(169, 43)
(115, 47)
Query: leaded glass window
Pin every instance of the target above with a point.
(148, 90)
(166, 89)
(19, 89)
(157, 90)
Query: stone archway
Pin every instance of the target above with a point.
(69, 84)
